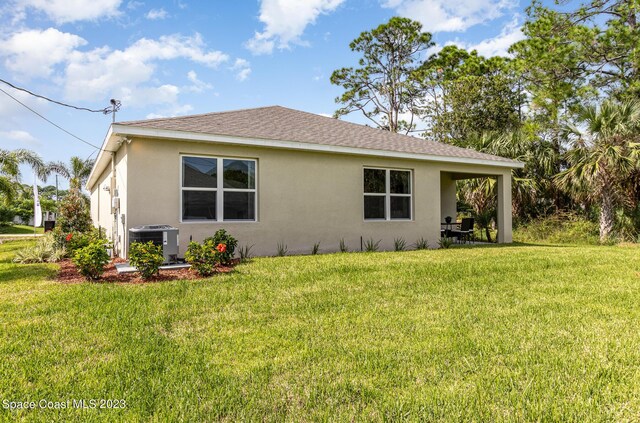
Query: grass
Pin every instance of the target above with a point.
(559, 228)
(18, 229)
(518, 333)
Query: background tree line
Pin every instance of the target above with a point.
(566, 103)
(16, 197)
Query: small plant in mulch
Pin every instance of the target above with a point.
(146, 257)
(221, 237)
(92, 259)
(205, 257)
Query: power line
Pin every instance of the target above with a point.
(52, 123)
(105, 111)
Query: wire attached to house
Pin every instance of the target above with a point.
(105, 111)
(53, 123)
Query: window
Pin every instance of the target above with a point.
(218, 189)
(387, 194)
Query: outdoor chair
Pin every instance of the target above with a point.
(466, 230)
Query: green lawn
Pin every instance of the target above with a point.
(520, 333)
(18, 229)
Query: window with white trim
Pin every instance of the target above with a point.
(387, 194)
(218, 189)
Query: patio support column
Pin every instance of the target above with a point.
(504, 209)
(447, 196)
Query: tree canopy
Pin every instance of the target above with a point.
(564, 102)
(385, 87)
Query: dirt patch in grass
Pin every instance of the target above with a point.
(68, 273)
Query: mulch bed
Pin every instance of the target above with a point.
(68, 273)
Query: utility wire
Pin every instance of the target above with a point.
(52, 123)
(105, 111)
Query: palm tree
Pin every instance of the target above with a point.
(77, 172)
(480, 193)
(10, 161)
(605, 152)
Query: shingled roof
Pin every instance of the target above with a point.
(284, 124)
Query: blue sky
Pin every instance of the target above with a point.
(182, 57)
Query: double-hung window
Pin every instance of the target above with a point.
(387, 194)
(218, 189)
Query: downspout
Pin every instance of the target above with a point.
(114, 210)
(125, 241)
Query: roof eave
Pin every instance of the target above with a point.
(108, 146)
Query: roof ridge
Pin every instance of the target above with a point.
(406, 136)
(197, 115)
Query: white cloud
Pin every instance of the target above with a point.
(450, 16)
(104, 72)
(33, 53)
(243, 68)
(157, 14)
(499, 45)
(177, 110)
(285, 22)
(133, 5)
(240, 63)
(10, 109)
(243, 74)
(197, 86)
(142, 96)
(64, 11)
(20, 136)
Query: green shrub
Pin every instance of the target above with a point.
(316, 248)
(203, 258)
(222, 237)
(72, 241)
(146, 257)
(44, 250)
(73, 214)
(6, 215)
(91, 259)
(561, 228)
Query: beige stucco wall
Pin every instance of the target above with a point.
(101, 210)
(303, 197)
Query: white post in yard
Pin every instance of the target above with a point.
(504, 209)
(37, 211)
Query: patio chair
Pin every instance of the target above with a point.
(466, 230)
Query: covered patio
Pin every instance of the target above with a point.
(448, 203)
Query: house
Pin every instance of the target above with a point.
(274, 175)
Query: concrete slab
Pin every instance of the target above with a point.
(127, 268)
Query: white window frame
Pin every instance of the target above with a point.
(220, 190)
(388, 194)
